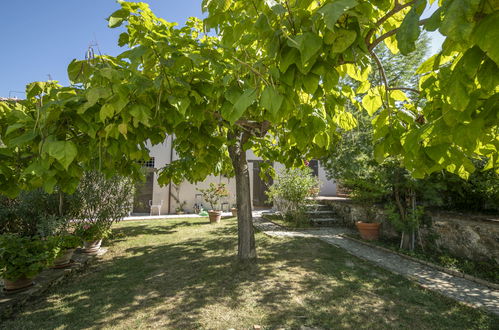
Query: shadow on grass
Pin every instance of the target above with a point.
(174, 283)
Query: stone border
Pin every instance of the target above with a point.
(11, 303)
(427, 263)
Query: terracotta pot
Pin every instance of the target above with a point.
(368, 231)
(215, 216)
(234, 212)
(91, 246)
(18, 284)
(64, 260)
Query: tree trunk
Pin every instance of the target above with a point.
(246, 235)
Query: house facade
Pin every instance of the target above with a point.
(186, 195)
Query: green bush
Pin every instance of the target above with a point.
(291, 192)
(25, 256)
(101, 202)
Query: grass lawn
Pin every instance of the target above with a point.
(183, 274)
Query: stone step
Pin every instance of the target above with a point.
(317, 207)
(321, 214)
(325, 222)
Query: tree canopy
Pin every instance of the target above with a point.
(270, 79)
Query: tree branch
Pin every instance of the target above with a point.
(253, 70)
(404, 89)
(389, 34)
(398, 7)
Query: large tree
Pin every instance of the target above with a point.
(269, 80)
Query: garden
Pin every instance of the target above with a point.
(184, 274)
(407, 138)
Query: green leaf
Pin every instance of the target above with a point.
(332, 11)
(271, 100)
(355, 72)
(310, 83)
(345, 120)
(141, 114)
(291, 56)
(243, 102)
(308, 44)
(371, 103)
(486, 36)
(458, 20)
(408, 32)
(106, 111)
(96, 93)
(342, 39)
(181, 104)
(64, 151)
(117, 18)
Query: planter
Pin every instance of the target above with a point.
(234, 212)
(21, 283)
(368, 231)
(215, 216)
(91, 246)
(64, 260)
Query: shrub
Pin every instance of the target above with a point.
(31, 213)
(214, 193)
(291, 191)
(25, 256)
(101, 202)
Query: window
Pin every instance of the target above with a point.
(149, 163)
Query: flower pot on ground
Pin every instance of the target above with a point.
(234, 211)
(212, 195)
(215, 216)
(92, 235)
(22, 258)
(64, 259)
(92, 246)
(20, 283)
(67, 243)
(368, 230)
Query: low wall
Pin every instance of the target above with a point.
(471, 236)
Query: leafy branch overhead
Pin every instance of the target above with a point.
(275, 74)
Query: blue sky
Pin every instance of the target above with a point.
(40, 38)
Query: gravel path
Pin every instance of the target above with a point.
(451, 286)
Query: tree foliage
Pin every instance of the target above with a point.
(271, 79)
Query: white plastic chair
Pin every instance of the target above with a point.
(157, 206)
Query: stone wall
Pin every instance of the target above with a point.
(471, 236)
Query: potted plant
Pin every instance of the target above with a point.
(369, 229)
(212, 196)
(233, 210)
(180, 208)
(367, 191)
(22, 258)
(92, 235)
(67, 243)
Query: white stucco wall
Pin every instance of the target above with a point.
(188, 191)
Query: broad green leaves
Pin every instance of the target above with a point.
(332, 11)
(64, 151)
(408, 31)
(271, 100)
(371, 102)
(342, 39)
(486, 36)
(308, 44)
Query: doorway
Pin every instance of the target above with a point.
(260, 186)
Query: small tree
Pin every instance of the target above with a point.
(213, 194)
(292, 191)
(101, 201)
